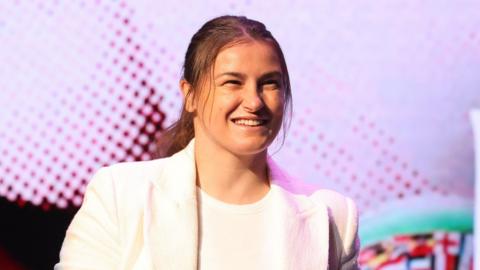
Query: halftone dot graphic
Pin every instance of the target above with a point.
(380, 109)
(102, 120)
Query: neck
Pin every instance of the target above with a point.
(228, 177)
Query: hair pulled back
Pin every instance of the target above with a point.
(202, 51)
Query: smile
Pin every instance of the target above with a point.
(249, 122)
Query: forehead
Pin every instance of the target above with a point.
(248, 57)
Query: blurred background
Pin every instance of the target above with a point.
(382, 97)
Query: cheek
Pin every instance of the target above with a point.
(217, 108)
(225, 104)
(275, 103)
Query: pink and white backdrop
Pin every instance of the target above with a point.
(381, 93)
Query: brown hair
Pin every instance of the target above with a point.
(202, 51)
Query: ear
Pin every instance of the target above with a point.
(186, 88)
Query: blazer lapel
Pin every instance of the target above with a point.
(308, 241)
(171, 214)
(306, 237)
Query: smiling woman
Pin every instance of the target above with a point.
(216, 200)
(223, 55)
(245, 111)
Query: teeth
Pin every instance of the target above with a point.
(248, 122)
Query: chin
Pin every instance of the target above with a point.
(249, 147)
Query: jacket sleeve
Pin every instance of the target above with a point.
(349, 260)
(91, 240)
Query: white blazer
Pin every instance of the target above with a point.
(143, 215)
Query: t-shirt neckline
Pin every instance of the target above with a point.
(249, 208)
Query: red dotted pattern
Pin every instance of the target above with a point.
(114, 117)
(100, 85)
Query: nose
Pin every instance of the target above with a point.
(253, 99)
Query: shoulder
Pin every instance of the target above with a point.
(343, 215)
(136, 168)
(125, 178)
(342, 210)
(112, 207)
(341, 207)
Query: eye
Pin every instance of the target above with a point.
(272, 84)
(234, 82)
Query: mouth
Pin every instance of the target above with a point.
(249, 122)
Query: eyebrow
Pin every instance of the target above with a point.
(234, 74)
(242, 76)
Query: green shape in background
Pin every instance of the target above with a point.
(417, 215)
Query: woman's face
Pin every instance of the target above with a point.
(242, 111)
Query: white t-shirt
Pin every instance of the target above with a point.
(233, 236)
